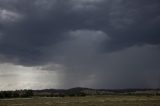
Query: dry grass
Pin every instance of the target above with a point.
(85, 101)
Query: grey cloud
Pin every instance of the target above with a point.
(127, 23)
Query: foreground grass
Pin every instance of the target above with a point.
(85, 101)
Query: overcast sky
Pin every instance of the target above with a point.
(108, 44)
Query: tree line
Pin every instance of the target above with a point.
(16, 94)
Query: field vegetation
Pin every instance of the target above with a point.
(112, 100)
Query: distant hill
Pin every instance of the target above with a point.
(78, 91)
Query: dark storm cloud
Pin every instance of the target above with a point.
(95, 41)
(43, 24)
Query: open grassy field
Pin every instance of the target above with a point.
(85, 101)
